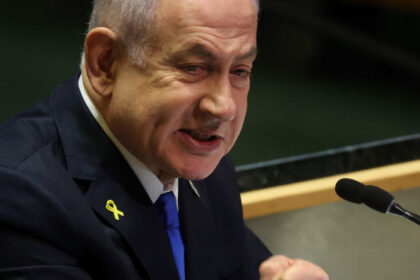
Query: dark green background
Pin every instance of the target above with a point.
(311, 90)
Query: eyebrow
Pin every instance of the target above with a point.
(195, 50)
(252, 53)
(203, 52)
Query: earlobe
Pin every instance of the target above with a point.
(101, 53)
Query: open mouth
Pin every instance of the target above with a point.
(202, 137)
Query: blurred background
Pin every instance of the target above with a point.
(330, 73)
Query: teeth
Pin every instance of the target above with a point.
(201, 137)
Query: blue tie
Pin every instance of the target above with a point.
(166, 206)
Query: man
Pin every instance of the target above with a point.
(160, 101)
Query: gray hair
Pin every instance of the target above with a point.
(132, 20)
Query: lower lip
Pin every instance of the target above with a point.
(199, 146)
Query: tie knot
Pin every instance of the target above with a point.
(166, 207)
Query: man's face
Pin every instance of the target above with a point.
(183, 111)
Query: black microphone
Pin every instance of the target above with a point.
(374, 197)
(349, 189)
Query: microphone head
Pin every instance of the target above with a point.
(376, 198)
(349, 189)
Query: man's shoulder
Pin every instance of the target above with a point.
(25, 134)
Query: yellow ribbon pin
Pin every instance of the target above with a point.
(112, 207)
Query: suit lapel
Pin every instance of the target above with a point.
(140, 224)
(198, 230)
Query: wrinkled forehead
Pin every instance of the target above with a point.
(211, 13)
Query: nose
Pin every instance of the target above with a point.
(218, 102)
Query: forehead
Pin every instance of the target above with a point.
(197, 26)
(209, 13)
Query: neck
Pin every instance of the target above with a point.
(167, 180)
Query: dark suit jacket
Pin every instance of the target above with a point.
(58, 170)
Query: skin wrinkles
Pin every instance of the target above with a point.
(199, 55)
(196, 50)
(207, 43)
(196, 54)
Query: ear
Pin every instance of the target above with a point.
(101, 53)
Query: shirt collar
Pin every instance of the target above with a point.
(153, 186)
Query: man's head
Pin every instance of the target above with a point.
(179, 104)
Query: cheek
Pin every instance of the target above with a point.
(164, 121)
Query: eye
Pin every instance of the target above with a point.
(192, 69)
(193, 72)
(241, 73)
(240, 77)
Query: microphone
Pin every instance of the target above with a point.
(373, 197)
(349, 189)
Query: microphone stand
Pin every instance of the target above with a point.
(396, 209)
